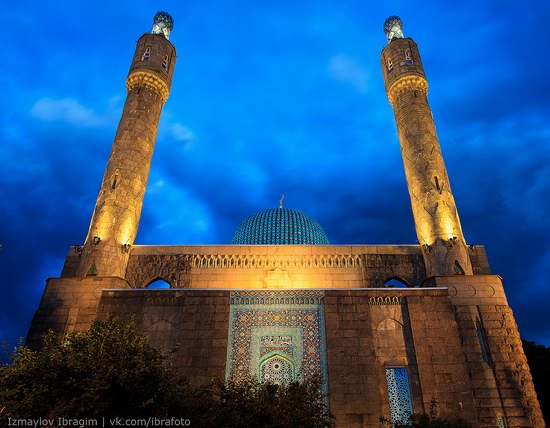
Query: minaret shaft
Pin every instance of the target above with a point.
(435, 214)
(115, 220)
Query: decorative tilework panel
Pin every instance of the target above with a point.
(269, 338)
(399, 394)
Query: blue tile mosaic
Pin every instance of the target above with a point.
(280, 226)
(270, 339)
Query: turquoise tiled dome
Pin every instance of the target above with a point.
(280, 226)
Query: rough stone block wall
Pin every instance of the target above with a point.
(503, 384)
(379, 268)
(480, 263)
(364, 337)
(175, 269)
(194, 322)
(441, 362)
(69, 304)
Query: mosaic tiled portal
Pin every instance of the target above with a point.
(277, 336)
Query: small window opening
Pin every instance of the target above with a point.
(92, 271)
(458, 268)
(115, 180)
(165, 62)
(390, 65)
(482, 343)
(437, 184)
(147, 54)
(158, 284)
(408, 57)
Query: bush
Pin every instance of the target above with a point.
(111, 371)
(429, 420)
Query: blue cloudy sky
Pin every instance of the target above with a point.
(272, 97)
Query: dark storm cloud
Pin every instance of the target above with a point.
(270, 99)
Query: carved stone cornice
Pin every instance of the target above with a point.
(149, 80)
(407, 83)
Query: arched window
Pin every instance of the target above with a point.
(158, 284)
(480, 332)
(389, 63)
(396, 282)
(277, 370)
(147, 54)
(165, 62)
(408, 57)
(115, 178)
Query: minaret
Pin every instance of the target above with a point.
(115, 220)
(434, 209)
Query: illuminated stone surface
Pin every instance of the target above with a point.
(302, 307)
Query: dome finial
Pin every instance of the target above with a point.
(163, 24)
(393, 28)
(281, 201)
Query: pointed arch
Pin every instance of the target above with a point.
(396, 282)
(277, 369)
(157, 284)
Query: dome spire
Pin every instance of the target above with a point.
(163, 24)
(281, 201)
(393, 28)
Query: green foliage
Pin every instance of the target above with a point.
(429, 420)
(111, 371)
(251, 404)
(538, 357)
(108, 370)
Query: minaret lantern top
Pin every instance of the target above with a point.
(163, 24)
(393, 27)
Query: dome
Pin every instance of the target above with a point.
(393, 27)
(280, 226)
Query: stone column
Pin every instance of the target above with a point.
(435, 214)
(115, 220)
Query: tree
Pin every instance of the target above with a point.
(106, 371)
(111, 371)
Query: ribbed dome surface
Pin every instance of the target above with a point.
(280, 226)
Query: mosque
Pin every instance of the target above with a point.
(387, 328)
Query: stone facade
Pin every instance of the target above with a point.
(388, 328)
(431, 327)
